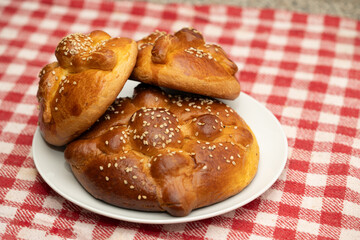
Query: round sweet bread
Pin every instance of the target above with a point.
(185, 62)
(90, 71)
(162, 152)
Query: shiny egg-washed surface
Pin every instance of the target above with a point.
(159, 152)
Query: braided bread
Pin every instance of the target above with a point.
(76, 90)
(184, 61)
(159, 152)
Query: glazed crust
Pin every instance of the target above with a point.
(184, 61)
(76, 90)
(161, 152)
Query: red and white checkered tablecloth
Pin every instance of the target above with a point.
(304, 68)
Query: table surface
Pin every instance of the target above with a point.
(344, 8)
(304, 68)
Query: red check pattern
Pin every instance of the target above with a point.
(304, 68)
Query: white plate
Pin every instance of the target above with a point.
(272, 141)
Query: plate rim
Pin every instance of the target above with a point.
(172, 220)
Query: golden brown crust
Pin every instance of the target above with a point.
(184, 61)
(75, 91)
(157, 152)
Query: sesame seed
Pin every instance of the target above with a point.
(106, 142)
(101, 168)
(107, 178)
(204, 167)
(131, 187)
(125, 182)
(134, 177)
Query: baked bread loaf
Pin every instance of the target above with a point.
(158, 152)
(76, 90)
(184, 61)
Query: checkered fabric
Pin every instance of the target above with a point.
(304, 68)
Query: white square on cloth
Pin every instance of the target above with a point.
(121, 233)
(316, 180)
(28, 174)
(215, 232)
(344, 48)
(27, 54)
(26, 109)
(15, 69)
(8, 33)
(321, 136)
(267, 219)
(349, 234)
(320, 157)
(308, 227)
(314, 203)
(6, 147)
(278, 40)
(44, 219)
(14, 127)
(38, 38)
(16, 195)
(82, 230)
(311, 43)
(53, 202)
(25, 233)
(329, 118)
(19, 19)
(351, 209)
(262, 88)
(7, 211)
(292, 112)
(297, 94)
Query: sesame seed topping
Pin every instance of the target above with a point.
(107, 178)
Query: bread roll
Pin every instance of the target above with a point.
(158, 152)
(184, 61)
(77, 89)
